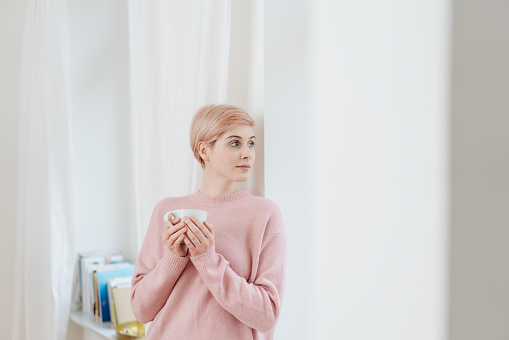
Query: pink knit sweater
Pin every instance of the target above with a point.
(233, 291)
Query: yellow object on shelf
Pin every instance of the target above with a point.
(131, 330)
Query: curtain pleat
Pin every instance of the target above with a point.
(45, 231)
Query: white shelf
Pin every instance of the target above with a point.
(104, 329)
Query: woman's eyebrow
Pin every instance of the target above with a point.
(240, 137)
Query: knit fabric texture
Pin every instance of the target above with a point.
(233, 291)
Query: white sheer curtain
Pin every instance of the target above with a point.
(179, 61)
(45, 233)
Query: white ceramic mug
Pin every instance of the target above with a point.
(180, 213)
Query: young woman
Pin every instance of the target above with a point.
(221, 279)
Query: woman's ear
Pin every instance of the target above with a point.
(202, 150)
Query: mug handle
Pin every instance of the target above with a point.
(168, 223)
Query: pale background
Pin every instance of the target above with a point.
(385, 134)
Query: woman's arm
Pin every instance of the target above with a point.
(154, 275)
(255, 304)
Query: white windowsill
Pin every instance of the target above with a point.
(104, 329)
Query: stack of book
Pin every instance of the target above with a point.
(119, 295)
(105, 286)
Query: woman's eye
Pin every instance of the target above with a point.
(252, 144)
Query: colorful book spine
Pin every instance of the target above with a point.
(102, 283)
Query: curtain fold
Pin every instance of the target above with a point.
(179, 62)
(45, 231)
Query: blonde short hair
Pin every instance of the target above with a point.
(211, 121)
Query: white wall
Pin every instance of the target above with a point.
(356, 118)
(12, 24)
(382, 140)
(288, 169)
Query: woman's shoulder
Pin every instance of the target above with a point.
(266, 203)
(272, 213)
(170, 201)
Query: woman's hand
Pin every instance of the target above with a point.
(200, 236)
(174, 236)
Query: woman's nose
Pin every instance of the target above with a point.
(246, 152)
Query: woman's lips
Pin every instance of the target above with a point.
(244, 167)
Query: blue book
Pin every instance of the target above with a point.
(102, 285)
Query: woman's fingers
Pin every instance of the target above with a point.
(194, 235)
(209, 227)
(189, 243)
(168, 231)
(199, 237)
(169, 218)
(195, 231)
(203, 229)
(174, 238)
(176, 227)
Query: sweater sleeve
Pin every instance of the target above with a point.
(256, 304)
(154, 276)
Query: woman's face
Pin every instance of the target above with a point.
(235, 148)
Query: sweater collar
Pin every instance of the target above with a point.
(202, 198)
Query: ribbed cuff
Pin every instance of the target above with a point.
(174, 262)
(205, 260)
